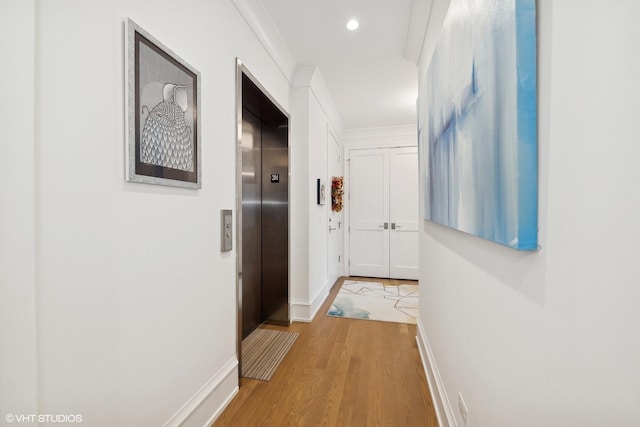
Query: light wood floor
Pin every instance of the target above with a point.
(340, 372)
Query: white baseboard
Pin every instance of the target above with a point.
(209, 402)
(441, 403)
(305, 311)
(319, 299)
(300, 311)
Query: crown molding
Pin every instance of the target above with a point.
(258, 19)
(418, 23)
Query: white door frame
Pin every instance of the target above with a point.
(332, 134)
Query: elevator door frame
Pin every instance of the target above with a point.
(241, 70)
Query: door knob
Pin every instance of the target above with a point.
(332, 229)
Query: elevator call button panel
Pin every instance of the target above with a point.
(226, 231)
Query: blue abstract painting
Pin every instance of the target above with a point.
(478, 123)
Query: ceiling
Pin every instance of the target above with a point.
(370, 81)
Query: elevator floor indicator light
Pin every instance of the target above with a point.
(275, 177)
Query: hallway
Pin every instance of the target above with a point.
(340, 372)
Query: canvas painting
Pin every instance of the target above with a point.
(163, 114)
(478, 123)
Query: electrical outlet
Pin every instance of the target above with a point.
(462, 407)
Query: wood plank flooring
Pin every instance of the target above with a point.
(340, 372)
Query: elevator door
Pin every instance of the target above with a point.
(275, 222)
(251, 223)
(264, 253)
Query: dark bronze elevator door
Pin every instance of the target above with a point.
(264, 252)
(251, 223)
(275, 223)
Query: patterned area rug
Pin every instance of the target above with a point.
(263, 350)
(375, 301)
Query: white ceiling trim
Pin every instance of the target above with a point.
(303, 76)
(259, 20)
(311, 77)
(437, 15)
(386, 131)
(418, 22)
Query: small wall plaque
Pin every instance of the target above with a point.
(275, 177)
(322, 191)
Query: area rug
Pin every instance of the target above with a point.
(263, 350)
(375, 301)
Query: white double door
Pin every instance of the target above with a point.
(383, 214)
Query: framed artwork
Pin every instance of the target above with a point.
(163, 114)
(477, 126)
(321, 187)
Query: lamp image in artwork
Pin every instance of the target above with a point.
(166, 139)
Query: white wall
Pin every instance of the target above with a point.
(318, 215)
(18, 368)
(551, 338)
(135, 302)
(299, 169)
(313, 114)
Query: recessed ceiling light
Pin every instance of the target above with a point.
(353, 24)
